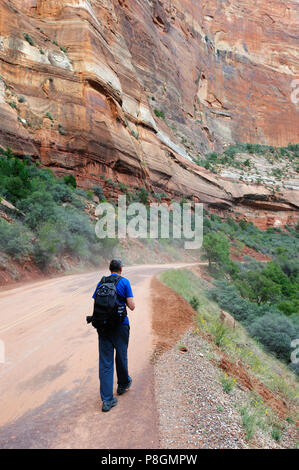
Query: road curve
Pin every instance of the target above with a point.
(49, 384)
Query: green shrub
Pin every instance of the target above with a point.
(248, 421)
(160, 196)
(220, 332)
(98, 192)
(70, 180)
(28, 39)
(227, 383)
(68, 231)
(110, 182)
(289, 307)
(81, 192)
(212, 157)
(243, 224)
(143, 195)
(15, 240)
(56, 229)
(276, 433)
(194, 302)
(61, 192)
(49, 243)
(75, 222)
(90, 194)
(230, 152)
(134, 134)
(228, 298)
(14, 178)
(271, 284)
(78, 203)
(49, 115)
(275, 332)
(41, 256)
(61, 130)
(265, 323)
(215, 248)
(159, 114)
(38, 208)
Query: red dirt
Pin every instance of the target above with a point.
(25, 272)
(238, 255)
(238, 371)
(172, 315)
(246, 380)
(28, 271)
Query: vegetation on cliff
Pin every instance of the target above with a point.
(275, 167)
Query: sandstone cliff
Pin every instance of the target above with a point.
(133, 89)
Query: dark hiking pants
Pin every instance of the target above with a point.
(117, 341)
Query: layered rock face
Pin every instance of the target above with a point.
(85, 86)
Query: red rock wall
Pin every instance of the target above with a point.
(96, 70)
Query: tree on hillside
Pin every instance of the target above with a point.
(216, 248)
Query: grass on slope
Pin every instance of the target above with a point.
(238, 345)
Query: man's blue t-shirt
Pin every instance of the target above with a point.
(124, 290)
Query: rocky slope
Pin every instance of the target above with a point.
(133, 89)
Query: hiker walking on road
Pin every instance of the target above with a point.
(112, 296)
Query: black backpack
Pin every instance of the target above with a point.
(108, 312)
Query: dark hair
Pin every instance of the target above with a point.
(115, 265)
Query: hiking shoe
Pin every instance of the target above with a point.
(123, 388)
(107, 405)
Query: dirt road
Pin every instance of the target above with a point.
(49, 385)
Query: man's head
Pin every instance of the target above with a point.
(116, 266)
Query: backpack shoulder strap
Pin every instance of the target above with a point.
(118, 278)
(99, 284)
(113, 279)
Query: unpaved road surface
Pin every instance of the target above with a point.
(49, 387)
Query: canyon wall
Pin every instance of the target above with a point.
(133, 89)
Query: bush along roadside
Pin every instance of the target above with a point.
(264, 297)
(50, 220)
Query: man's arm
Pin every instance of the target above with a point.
(129, 296)
(130, 303)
